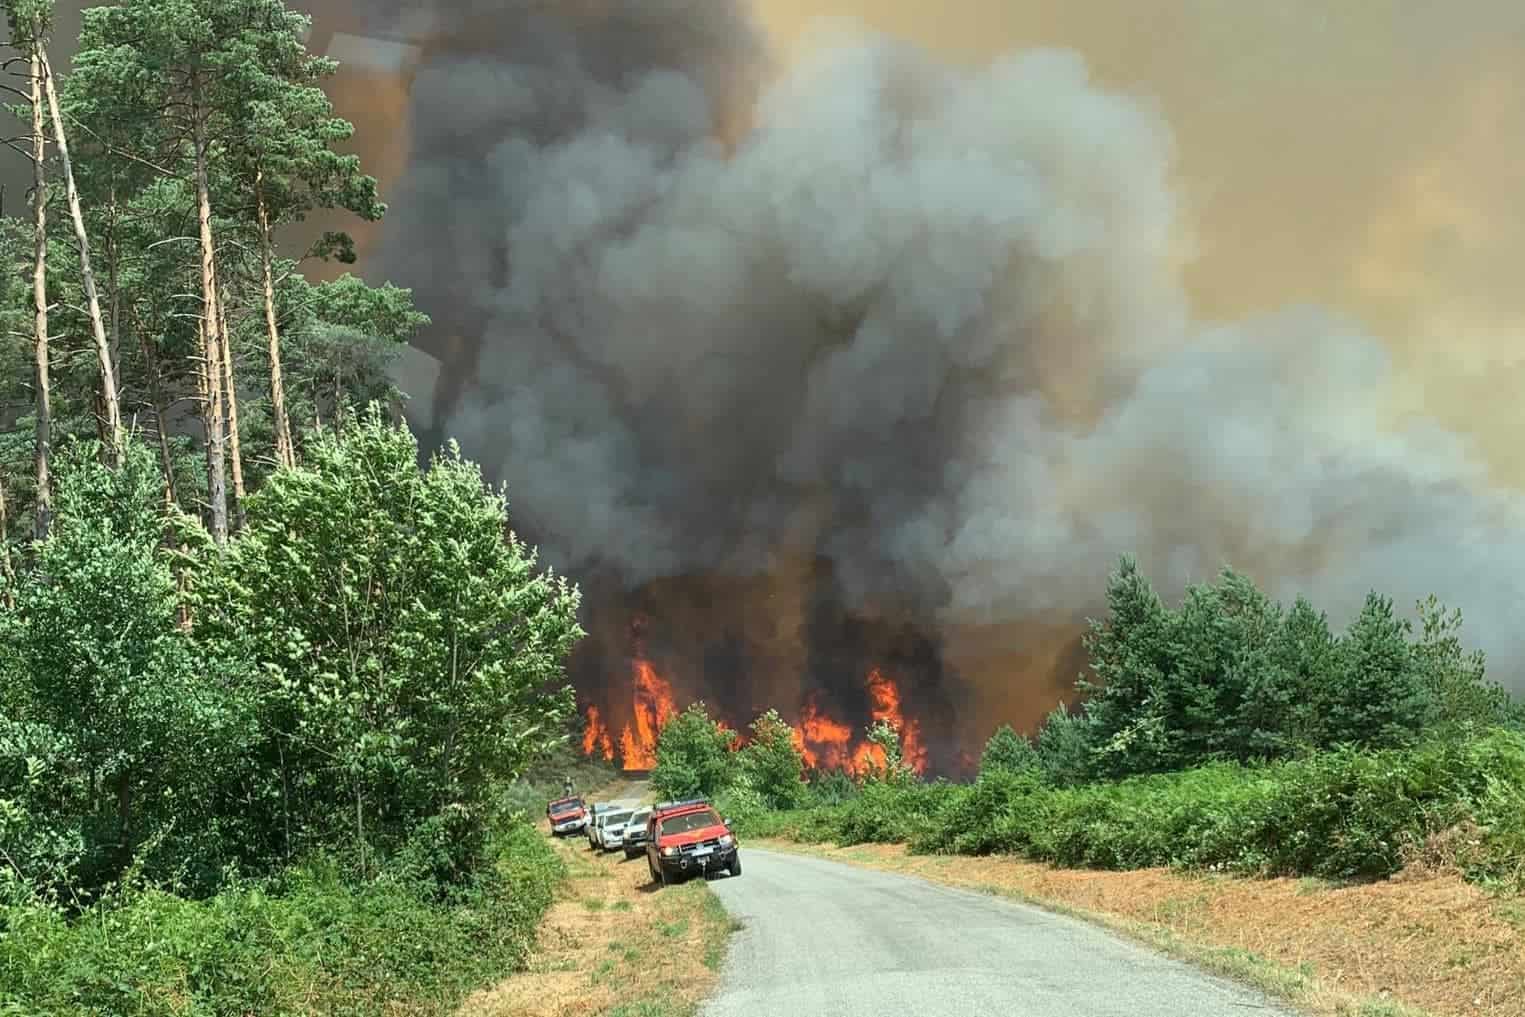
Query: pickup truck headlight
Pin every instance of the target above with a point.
(669, 852)
(726, 840)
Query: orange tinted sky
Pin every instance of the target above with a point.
(1367, 156)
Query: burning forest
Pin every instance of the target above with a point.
(853, 373)
(824, 743)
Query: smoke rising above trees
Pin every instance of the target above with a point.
(924, 322)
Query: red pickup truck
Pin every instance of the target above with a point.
(566, 815)
(684, 838)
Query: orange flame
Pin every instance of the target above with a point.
(596, 736)
(822, 741)
(654, 707)
(886, 699)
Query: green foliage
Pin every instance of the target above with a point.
(887, 765)
(694, 756)
(1009, 752)
(1229, 675)
(1455, 681)
(1344, 814)
(131, 722)
(1065, 747)
(311, 943)
(771, 762)
(409, 651)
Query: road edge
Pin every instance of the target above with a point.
(1300, 989)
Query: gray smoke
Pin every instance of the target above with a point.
(924, 321)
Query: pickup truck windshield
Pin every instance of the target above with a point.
(689, 821)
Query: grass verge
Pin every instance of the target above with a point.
(1426, 943)
(615, 945)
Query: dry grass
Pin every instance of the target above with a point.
(1424, 943)
(615, 945)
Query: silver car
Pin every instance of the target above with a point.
(636, 833)
(595, 812)
(611, 829)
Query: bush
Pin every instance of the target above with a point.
(1339, 815)
(408, 646)
(1007, 750)
(771, 763)
(694, 756)
(125, 735)
(311, 943)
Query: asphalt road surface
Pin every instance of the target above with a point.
(822, 939)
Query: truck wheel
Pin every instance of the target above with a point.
(656, 877)
(735, 869)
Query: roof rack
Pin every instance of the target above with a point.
(664, 806)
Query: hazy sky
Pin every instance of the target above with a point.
(1368, 155)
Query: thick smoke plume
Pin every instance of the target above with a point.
(879, 361)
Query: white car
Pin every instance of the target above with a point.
(597, 810)
(636, 833)
(611, 829)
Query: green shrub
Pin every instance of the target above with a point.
(309, 943)
(694, 756)
(1345, 814)
(1007, 750)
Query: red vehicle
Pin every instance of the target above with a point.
(566, 815)
(683, 838)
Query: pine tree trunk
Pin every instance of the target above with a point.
(44, 393)
(82, 238)
(156, 395)
(7, 572)
(211, 345)
(230, 393)
(285, 451)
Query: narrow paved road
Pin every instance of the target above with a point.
(822, 939)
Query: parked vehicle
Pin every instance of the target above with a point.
(591, 828)
(566, 815)
(635, 832)
(689, 837)
(611, 829)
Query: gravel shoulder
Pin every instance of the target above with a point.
(824, 939)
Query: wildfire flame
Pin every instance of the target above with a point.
(823, 742)
(653, 708)
(827, 744)
(595, 736)
(886, 698)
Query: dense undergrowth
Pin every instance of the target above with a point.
(240, 780)
(1338, 815)
(309, 941)
(1226, 734)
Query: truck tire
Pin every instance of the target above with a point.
(735, 867)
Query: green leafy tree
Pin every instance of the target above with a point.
(1008, 751)
(345, 335)
(1379, 699)
(1306, 653)
(885, 764)
(772, 763)
(1066, 747)
(411, 651)
(284, 161)
(694, 756)
(1131, 658)
(103, 664)
(1454, 679)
